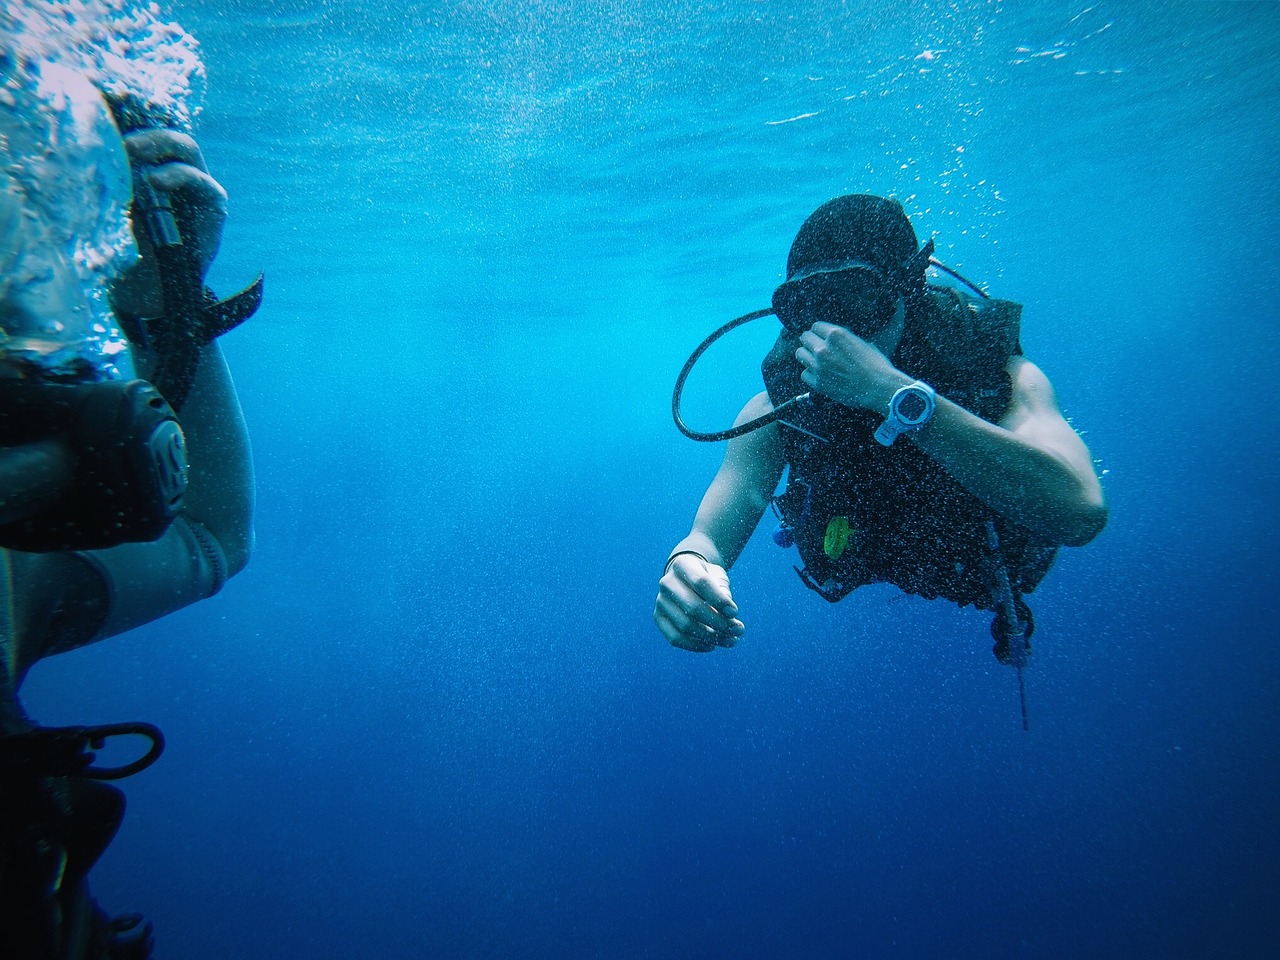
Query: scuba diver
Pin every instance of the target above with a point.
(922, 448)
(122, 499)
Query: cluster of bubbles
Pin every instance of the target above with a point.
(65, 184)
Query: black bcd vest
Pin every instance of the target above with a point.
(863, 513)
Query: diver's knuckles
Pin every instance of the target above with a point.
(190, 181)
(670, 608)
(683, 621)
(675, 594)
(710, 586)
(163, 145)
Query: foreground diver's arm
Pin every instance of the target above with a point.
(211, 539)
(1031, 467)
(695, 609)
(65, 600)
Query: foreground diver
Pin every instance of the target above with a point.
(924, 450)
(79, 567)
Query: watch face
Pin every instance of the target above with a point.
(912, 407)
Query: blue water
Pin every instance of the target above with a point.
(433, 718)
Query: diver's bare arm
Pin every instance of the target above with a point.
(1032, 467)
(695, 609)
(740, 493)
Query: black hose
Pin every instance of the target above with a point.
(777, 412)
(967, 282)
(742, 428)
(68, 751)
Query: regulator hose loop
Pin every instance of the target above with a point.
(742, 428)
(68, 751)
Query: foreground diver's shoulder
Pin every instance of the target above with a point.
(1031, 394)
(1029, 378)
(757, 406)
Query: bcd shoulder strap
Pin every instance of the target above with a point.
(971, 330)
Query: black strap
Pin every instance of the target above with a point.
(193, 315)
(193, 318)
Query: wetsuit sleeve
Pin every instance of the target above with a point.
(220, 495)
(211, 539)
(146, 581)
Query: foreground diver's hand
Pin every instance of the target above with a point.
(695, 610)
(174, 167)
(846, 368)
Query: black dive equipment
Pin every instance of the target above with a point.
(123, 473)
(58, 819)
(1013, 625)
(743, 428)
(69, 751)
(853, 294)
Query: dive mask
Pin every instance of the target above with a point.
(852, 294)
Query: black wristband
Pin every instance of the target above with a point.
(680, 553)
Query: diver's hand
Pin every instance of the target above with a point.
(174, 167)
(695, 610)
(847, 368)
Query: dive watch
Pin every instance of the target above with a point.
(910, 409)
